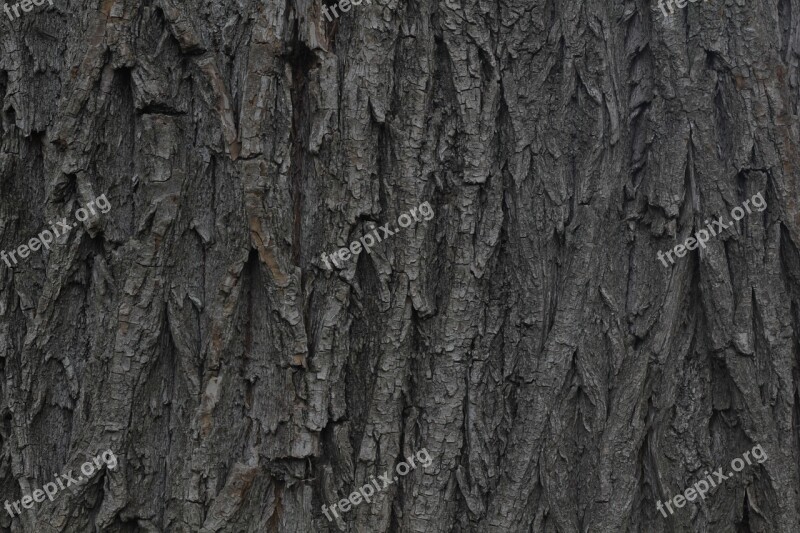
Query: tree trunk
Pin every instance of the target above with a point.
(527, 337)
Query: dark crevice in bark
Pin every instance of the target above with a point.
(302, 60)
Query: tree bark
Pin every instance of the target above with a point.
(527, 336)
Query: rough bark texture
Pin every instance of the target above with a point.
(559, 376)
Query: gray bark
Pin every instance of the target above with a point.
(527, 337)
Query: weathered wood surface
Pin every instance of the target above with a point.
(560, 377)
